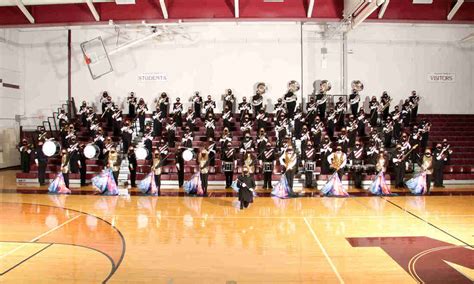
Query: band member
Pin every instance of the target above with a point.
(281, 129)
(337, 161)
(229, 100)
(141, 110)
(82, 165)
(41, 161)
(60, 184)
(94, 127)
(388, 132)
(379, 186)
(331, 123)
(257, 99)
(224, 138)
(441, 156)
(229, 162)
(406, 113)
(354, 100)
(108, 145)
(246, 185)
(289, 163)
(127, 134)
(317, 131)
(109, 106)
(209, 106)
(322, 97)
(262, 119)
(42, 134)
(305, 137)
(156, 168)
(179, 160)
(334, 187)
(163, 104)
(425, 128)
(340, 113)
(298, 122)
(210, 125)
(65, 166)
(420, 184)
(262, 140)
(163, 148)
(249, 162)
(268, 164)
(117, 121)
(385, 105)
(374, 137)
(71, 134)
(148, 141)
(190, 119)
(99, 142)
(113, 162)
(83, 113)
(399, 166)
(203, 162)
(132, 165)
(132, 105)
(415, 139)
(343, 140)
(372, 153)
(178, 112)
(151, 184)
(414, 99)
(63, 119)
(279, 109)
(290, 98)
(244, 108)
(187, 140)
(356, 160)
(361, 123)
(171, 132)
(325, 151)
(227, 117)
(309, 162)
(197, 104)
(374, 106)
(247, 144)
(352, 131)
(25, 154)
(246, 124)
(311, 110)
(104, 100)
(157, 123)
(91, 117)
(211, 149)
(397, 123)
(73, 152)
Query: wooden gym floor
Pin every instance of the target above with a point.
(140, 239)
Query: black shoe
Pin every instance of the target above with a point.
(241, 206)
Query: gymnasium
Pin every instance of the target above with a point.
(236, 141)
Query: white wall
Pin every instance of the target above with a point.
(397, 58)
(213, 59)
(11, 100)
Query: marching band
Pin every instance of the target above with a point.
(305, 140)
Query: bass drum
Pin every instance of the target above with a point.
(188, 155)
(91, 151)
(141, 153)
(51, 148)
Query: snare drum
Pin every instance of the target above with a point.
(188, 155)
(91, 151)
(267, 167)
(227, 166)
(309, 166)
(141, 152)
(51, 148)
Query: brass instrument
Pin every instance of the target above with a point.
(249, 164)
(293, 86)
(357, 86)
(324, 86)
(337, 161)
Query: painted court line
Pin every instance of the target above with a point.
(39, 237)
(324, 251)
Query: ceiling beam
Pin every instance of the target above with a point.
(25, 11)
(455, 9)
(164, 10)
(93, 10)
(310, 8)
(236, 8)
(383, 8)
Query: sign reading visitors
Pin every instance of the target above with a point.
(442, 77)
(152, 77)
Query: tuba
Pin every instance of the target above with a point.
(324, 86)
(357, 86)
(293, 86)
